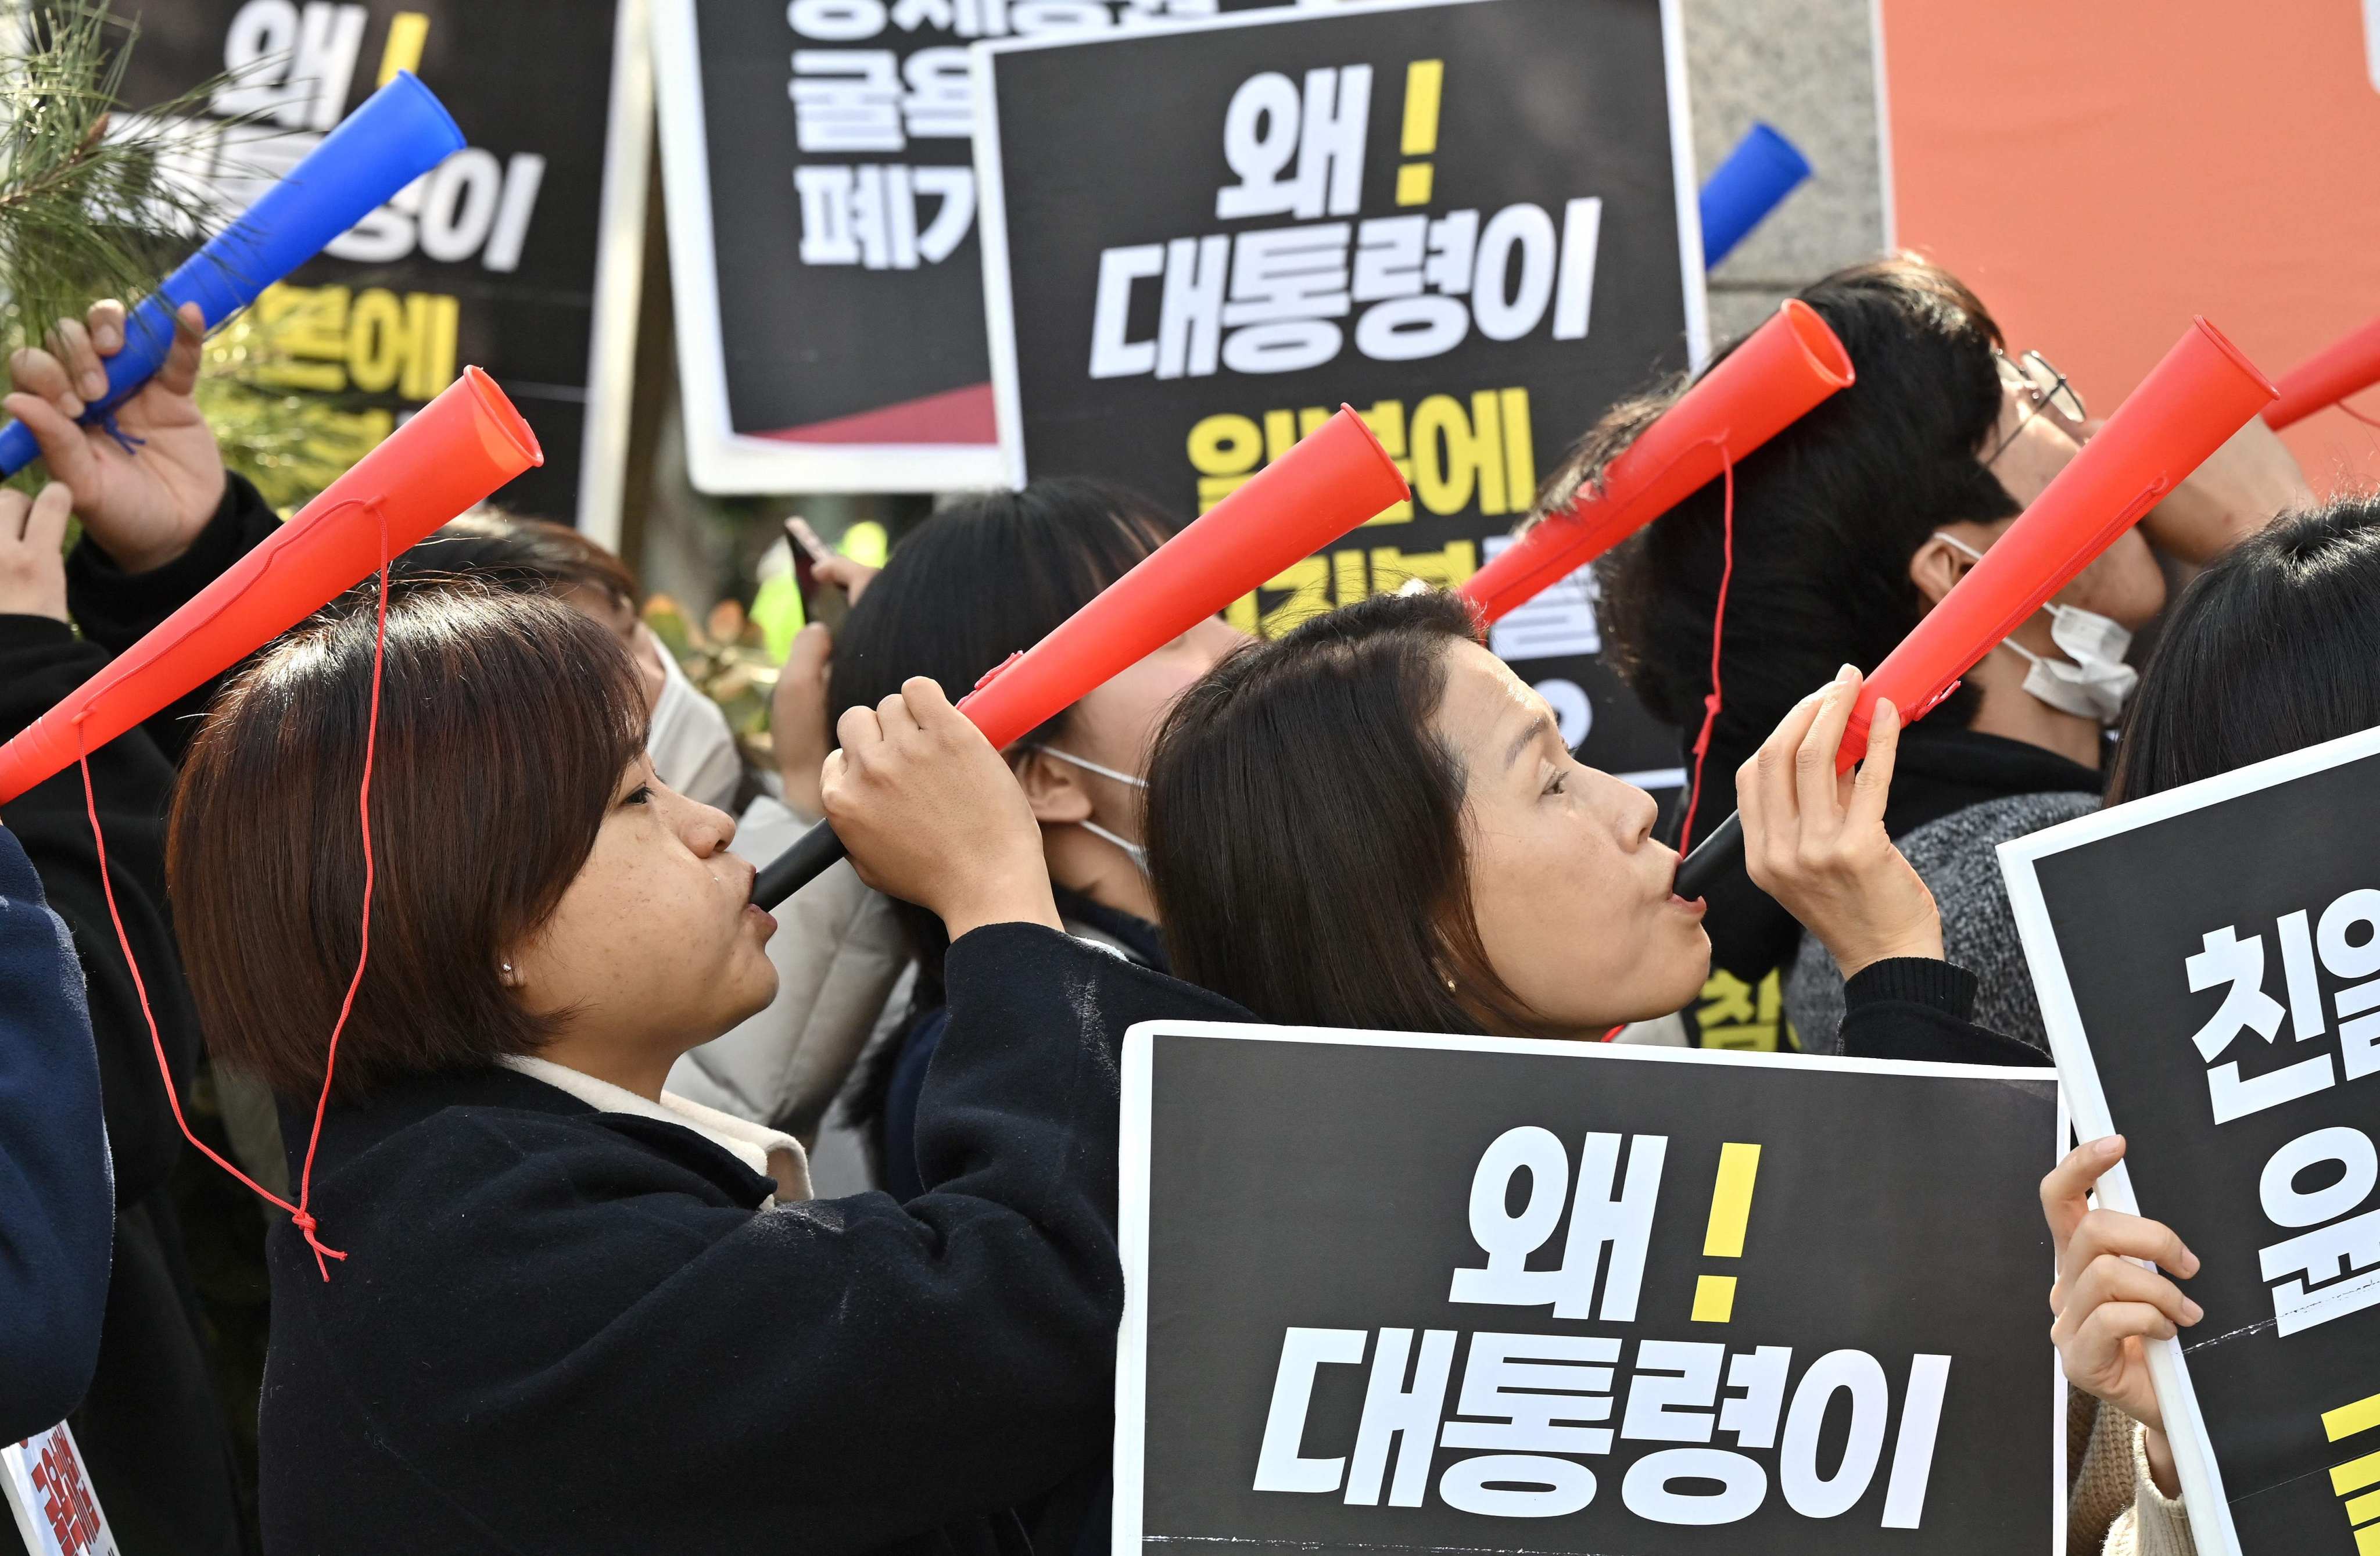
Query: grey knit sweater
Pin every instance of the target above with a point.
(1955, 856)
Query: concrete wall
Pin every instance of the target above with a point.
(1808, 68)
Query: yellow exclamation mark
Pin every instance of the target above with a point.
(2349, 1478)
(408, 31)
(1425, 79)
(1730, 1211)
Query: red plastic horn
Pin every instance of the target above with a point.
(1779, 372)
(1331, 481)
(2341, 368)
(2203, 392)
(453, 452)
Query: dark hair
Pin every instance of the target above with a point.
(519, 555)
(1827, 515)
(2273, 647)
(1306, 834)
(987, 578)
(504, 725)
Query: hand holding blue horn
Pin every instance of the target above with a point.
(401, 132)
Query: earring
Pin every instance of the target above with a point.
(508, 969)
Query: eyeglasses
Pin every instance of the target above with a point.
(2043, 388)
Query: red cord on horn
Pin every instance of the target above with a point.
(300, 1215)
(1712, 703)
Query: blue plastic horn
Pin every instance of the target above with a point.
(1752, 181)
(401, 132)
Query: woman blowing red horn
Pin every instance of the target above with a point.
(576, 1313)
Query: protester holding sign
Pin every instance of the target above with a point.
(2268, 651)
(973, 585)
(161, 520)
(1372, 822)
(1847, 528)
(573, 1312)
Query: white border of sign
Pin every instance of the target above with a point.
(2194, 1453)
(619, 279)
(721, 462)
(992, 192)
(1132, 1175)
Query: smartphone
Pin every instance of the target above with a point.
(822, 601)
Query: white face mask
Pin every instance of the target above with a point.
(692, 747)
(2097, 683)
(1133, 851)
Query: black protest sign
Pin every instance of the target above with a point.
(1394, 1292)
(1474, 220)
(819, 166)
(496, 259)
(2206, 961)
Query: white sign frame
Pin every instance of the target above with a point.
(991, 193)
(1132, 1186)
(619, 280)
(2193, 1452)
(720, 461)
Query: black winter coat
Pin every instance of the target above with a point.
(152, 1426)
(563, 1330)
(132, 776)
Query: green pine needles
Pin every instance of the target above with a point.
(94, 200)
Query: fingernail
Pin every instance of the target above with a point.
(1846, 673)
(2189, 1262)
(2191, 1311)
(94, 385)
(2108, 1147)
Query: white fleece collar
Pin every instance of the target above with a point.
(752, 1143)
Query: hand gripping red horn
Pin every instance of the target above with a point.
(1782, 372)
(1327, 484)
(2203, 392)
(453, 453)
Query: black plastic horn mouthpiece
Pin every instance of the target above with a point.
(808, 858)
(1714, 858)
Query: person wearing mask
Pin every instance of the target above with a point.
(988, 577)
(1372, 822)
(1849, 526)
(571, 1310)
(161, 519)
(57, 1207)
(693, 748)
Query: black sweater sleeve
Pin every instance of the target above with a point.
(670, 1372)
(115, 609)
(1916, 1007)
(56, 1221)
(41, 661)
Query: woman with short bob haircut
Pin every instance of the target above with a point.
(569, 1310)
(1372, 822)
